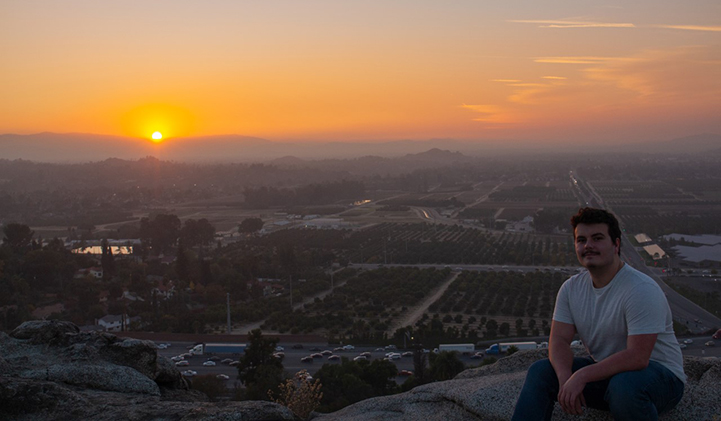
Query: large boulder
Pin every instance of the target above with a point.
(490, 393)
(49, 370)
(44, 331)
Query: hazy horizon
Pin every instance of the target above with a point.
(84, 147)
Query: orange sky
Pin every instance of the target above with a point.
(373, 70)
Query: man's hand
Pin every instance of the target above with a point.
(570, 395)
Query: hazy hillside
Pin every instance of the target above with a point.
(79, 147)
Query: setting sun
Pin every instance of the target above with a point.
(157, 137)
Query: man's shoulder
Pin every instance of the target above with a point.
(581, 278)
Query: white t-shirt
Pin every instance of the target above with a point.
(631, 304)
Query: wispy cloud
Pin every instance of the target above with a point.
(691, 27)
(573, 24)
(563, 24)
(554, 77)
(489, 113)
(527, 85)
(506, 80)
(581, 60)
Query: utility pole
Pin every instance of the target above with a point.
(227, 306)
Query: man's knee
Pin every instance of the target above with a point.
(541, 370)
(627, 392)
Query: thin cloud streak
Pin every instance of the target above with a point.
(562, 24)
(581, 60)
(691, 27)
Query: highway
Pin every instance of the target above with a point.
(291, 361)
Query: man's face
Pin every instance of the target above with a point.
(594, 247)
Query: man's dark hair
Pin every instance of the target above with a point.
(590, 216)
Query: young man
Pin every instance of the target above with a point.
(635, 367)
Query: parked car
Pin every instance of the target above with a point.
(227, 361)
(279, 349)
(334, 358)
(366, 354)
(405, 373)
(307, 359)
(279, 355)
(710, 343)
(338, 349)
(234, 363)
(360, 357)
(223, 377)
(209, 364)
(348, 347)
(214, 358)
(176, 358)
(317, 355)
(477, 356)
(182, 363)
(407, 354)
(327, 352)
(688, 341)
(682, 346)
(315, 349)
(189, 373)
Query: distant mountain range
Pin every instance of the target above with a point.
(81, 147)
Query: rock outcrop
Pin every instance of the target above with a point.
(490, 392)
(49, 370)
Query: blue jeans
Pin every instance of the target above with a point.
(630, 395)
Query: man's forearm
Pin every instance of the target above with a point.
(561, 358)
(626, 360)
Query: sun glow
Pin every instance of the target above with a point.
(157, 137)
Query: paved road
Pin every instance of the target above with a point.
(291, 361)
(417, 312)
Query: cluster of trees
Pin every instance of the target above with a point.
(364, 306)
(162, 232)
(418, 243)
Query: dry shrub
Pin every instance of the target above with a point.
(300, 394)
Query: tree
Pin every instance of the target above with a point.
(199, 232)
(161, 232)
(17, 236)
(210, 385)
(107, 261)
(259, 370)
(511, 350)
(445, 365)
(250, 225)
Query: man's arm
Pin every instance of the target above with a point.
(559, 349)
(635, 357)
(561, 357)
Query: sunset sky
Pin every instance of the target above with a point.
(551, 71)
